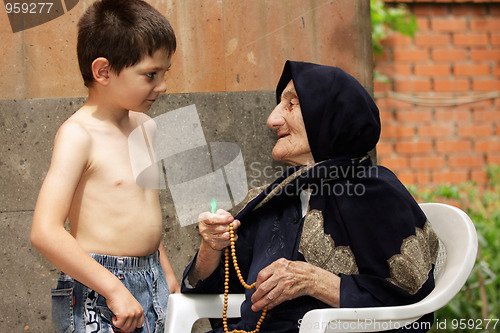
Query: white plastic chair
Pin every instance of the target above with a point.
(456, 258)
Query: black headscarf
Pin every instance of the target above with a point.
(340, 116)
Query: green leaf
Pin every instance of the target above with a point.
(383, 18)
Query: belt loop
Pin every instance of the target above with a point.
(120, 268)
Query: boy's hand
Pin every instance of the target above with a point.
(128, 312)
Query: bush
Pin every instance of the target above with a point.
(479, 299)
(389, 18)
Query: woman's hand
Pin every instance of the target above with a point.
(281, 281)
(285, 280)
(214, 228)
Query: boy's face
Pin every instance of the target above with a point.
(137, 87)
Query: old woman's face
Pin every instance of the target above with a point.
(292, 146)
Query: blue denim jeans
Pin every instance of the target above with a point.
(76, 308)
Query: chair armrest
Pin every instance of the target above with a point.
(184, 310)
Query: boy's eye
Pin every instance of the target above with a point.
(151, 75)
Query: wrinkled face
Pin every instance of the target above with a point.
(292, 146)
(137, 87)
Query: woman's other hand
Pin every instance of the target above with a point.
(285, 280)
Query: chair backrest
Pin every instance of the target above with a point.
(440, 261)
(457, 253)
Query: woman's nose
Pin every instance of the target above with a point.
(275, 119)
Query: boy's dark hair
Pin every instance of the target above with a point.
(123, 32)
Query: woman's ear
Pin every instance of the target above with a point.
(100, 70)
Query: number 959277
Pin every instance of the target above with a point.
(28, 7)
(478, 324)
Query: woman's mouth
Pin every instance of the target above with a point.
(280, 136)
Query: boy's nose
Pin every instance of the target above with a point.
(275, 119)
(161, 87)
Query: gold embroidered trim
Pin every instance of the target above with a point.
(251, 194)
(319, 248)
(282, 185)
(410, 269)
(254, 192)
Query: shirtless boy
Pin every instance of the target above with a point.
(115, 267)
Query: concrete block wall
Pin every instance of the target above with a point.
(441, 108)
(229, 57)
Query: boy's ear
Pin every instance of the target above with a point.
(100, 70)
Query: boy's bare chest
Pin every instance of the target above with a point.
(110, 159)
(119, 158)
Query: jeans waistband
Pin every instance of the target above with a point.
(126, 263)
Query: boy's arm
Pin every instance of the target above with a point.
(173, 285)
(48, 235)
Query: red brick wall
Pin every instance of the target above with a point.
(440, 110)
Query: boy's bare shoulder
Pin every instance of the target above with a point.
(73, 126)
(72, 147)
(74, 132)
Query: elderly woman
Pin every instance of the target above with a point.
(334, 230)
